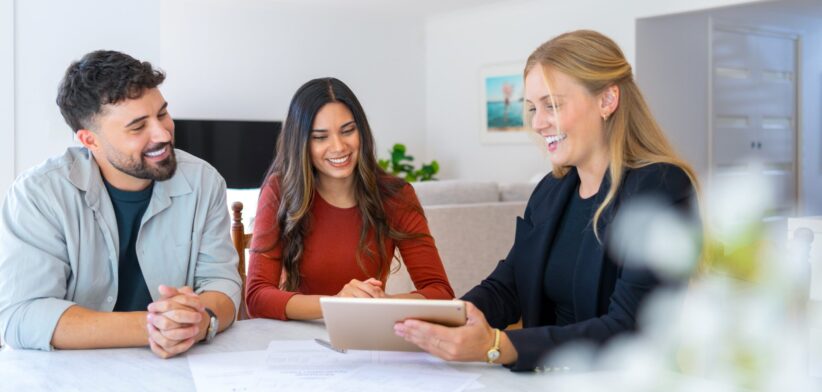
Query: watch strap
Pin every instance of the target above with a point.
(493, 353)
(213, 325)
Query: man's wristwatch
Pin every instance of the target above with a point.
(213, 325)
(493, 353)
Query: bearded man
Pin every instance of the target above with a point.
(121, 242)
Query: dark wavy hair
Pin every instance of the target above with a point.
(99, 78)
(292, 168)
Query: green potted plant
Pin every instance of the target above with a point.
(401, 165)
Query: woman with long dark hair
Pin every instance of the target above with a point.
(329, 218)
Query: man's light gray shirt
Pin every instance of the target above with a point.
(59, 242)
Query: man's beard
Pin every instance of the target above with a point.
(161, 171)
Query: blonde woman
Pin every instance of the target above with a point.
(558, 279)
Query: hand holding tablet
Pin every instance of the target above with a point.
(368, 324)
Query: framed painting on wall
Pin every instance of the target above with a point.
(502, 108)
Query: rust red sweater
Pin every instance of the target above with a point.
(329, 249)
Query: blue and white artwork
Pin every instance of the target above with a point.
(503, 96)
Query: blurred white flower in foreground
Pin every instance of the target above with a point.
(736, 199)
(648, 233)
(743, 324)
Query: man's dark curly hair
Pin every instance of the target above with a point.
(99, 78)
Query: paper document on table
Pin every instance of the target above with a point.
(301, 365)
(304, 365)
(223, 372)
(421, 358)
(403, 378)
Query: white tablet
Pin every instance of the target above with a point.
(368, 323)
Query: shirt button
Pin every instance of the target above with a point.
(110, 299)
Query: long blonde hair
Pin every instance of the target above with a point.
(634, 137)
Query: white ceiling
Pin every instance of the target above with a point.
(801, 9)
(431, 7)
(807, 8)
(421, 8)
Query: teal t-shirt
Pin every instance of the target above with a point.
(132, 294)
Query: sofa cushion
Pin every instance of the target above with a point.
(517, 191)
(471, 240)
(456, 192)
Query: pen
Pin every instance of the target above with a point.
(328, 345)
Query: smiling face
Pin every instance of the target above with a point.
(334, 144)
(133, 141)
(567, 116)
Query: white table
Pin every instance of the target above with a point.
(138, 369)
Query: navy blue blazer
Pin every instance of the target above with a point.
(606, 293)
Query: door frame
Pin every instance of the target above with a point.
(729, 26)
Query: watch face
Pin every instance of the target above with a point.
(493, 355)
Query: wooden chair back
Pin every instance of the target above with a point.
(242, 241)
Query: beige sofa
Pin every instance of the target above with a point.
(473, 227)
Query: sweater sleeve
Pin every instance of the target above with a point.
(419, 254)
(34, 267)
(264, 297)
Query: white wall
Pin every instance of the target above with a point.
(49, 36)
(245, 60)
(459, 44)
(684, 119)
(6, 95)
(417, 79)
(233, 60)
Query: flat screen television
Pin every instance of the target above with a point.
(240, 150)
